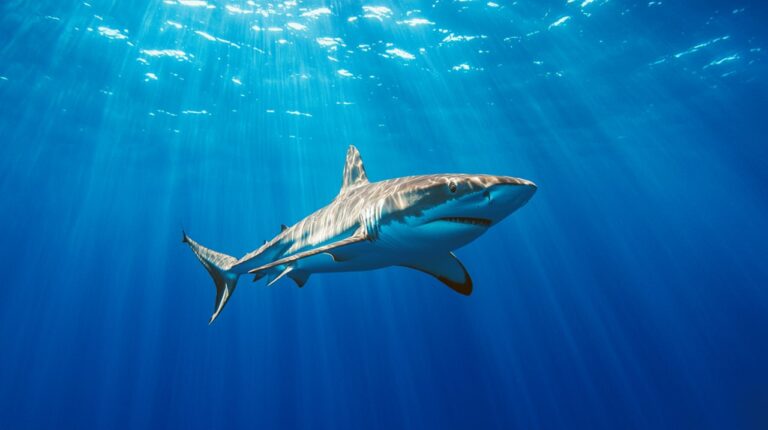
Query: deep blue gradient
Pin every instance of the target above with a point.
(629, 293)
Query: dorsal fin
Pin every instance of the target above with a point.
(354, 171)
(283, 227)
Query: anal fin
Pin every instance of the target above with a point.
(447, 269)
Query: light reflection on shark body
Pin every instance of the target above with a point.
(414, 221)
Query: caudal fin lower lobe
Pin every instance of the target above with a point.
(217, 265)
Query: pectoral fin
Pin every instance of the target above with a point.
(447, 269)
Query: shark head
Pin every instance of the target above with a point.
(475, 200)
(451, 210)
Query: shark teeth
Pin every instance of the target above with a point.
(465, 220)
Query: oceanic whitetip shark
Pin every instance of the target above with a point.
(415, 222)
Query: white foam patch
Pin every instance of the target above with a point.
(173, 53)
(377, 12)
(196, 3)
(237, 10)
(397, 52)
(451, 38)
(193, 3)
(560, 22)
(205, 35)
(111, 33)
(415, 22)
(464, 67)
(316, 13)
(345, 73)
(296, 26)
(700, 46)
(723, 60)
(329, 42)
(297, 113)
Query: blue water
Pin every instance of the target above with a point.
(629, 293)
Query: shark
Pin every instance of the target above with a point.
(415, 222)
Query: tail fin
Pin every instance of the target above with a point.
(218, 265)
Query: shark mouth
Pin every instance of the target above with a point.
(482, 222)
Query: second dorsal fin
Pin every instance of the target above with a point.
(354, 171)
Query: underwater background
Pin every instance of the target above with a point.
(630, 292)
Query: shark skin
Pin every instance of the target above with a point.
(415, 222)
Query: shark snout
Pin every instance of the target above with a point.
(511, 192)
(508, 195)
(509, 180)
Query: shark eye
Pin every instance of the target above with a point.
(452, 186)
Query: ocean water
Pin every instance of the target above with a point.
(630, 292)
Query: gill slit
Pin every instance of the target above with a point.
(371, 219)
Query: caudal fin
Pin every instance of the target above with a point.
(218, 265)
